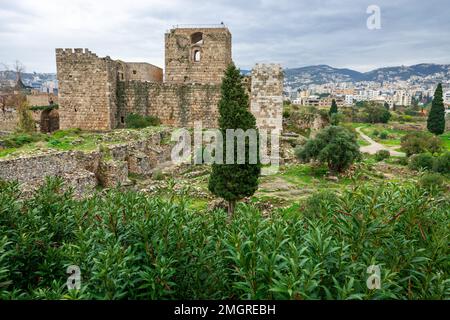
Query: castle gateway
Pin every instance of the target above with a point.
(98, 93)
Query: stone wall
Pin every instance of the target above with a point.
(85, 170)
(86, 85)
(137, 71)
(176, 105)
(41, 99)
(267, 96)
(214, 47)
(99, 93)
(8, 119)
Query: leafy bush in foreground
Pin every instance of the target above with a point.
(422, 161)
(131, 246)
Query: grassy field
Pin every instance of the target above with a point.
(393, 135)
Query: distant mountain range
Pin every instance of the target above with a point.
(321, 74)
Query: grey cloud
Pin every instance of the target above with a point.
(294, 33)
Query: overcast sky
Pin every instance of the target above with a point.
(293, 33)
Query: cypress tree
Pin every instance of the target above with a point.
(436, 117)
(234, 182)
(334, 108)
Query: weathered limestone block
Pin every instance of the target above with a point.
(82, 182)
(267, 96)
(113, 173)
(139, 163)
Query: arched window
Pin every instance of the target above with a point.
(197, 55)
(197, 38)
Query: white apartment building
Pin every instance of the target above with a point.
(402, 98)
(447, 97)
(348, 99)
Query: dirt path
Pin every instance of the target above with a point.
(375, 146)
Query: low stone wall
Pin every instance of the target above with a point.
(83, 171)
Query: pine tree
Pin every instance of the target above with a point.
(334, 108)
(436, 117)
(234, 182)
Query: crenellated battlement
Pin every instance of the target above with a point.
(74, 52)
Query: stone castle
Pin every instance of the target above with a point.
(99, 93)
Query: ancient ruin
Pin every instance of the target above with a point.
(98, 93)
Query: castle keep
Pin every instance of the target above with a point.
(98, 93)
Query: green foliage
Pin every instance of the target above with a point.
(233, 182)
(431, 181)
(434, 145)
(436, 117)
(132, 246)
(45, 108)
(376, 113)
(336, 119)
(420, 142)
(333, 108)
(336, 146)
(19, 139)
(26, 121)
(442, 164)
(384, 135)
(137, 121)
(421, 161)
(382, 155)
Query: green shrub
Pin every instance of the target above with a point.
(384, 135)
(286, 113)
(375, 133)
(375, 113)
(129, 245)
(136, 121)
(336, 146)
(442, 164)
(403, 161)
(59, 134)
(431, 180)
(422, 161)
(415, 142)
(158, 175)
(18, 140)
(434, 145)
(382, 154)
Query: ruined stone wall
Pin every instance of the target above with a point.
(85, 170)
(41, 99)
(267, 96)
(86, 89)
(136, 71)
(8, 119)
(214, 49)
